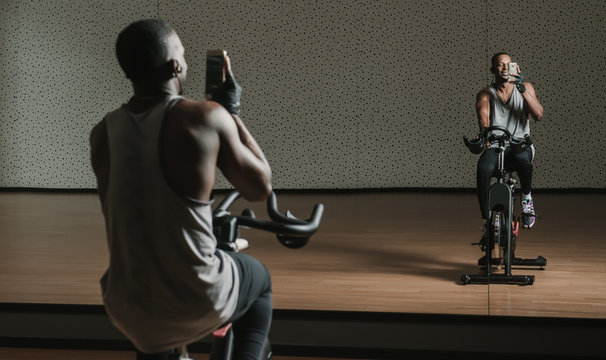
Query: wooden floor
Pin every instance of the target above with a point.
(377, 252)
(61, 354)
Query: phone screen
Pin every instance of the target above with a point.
(215, 71)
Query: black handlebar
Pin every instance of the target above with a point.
(478, 144)
(506, 135)
(291, 232)
(221, 209)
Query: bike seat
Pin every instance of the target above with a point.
(181, 354)
(222, 331)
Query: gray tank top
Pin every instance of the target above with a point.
(510, 115)
(166, 285)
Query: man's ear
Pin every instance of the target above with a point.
(176, 68)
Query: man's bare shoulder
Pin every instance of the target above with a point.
(485, 91)
(484, 94)
(195, 110)
(199, 113)
(98, 134)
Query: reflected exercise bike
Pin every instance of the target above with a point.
(502, 228)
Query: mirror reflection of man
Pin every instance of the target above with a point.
(155, 159)
(508, 102)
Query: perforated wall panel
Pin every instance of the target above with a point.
(339, 94)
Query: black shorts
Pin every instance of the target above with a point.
(254, 282)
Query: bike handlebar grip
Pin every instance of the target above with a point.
(316, 216)
(475, 146)
(292, 242)
(275, 215)
(248, 213)
(296, 242)
(527, 139)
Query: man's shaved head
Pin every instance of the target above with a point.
(142, 47)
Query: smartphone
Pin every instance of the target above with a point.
(512, 70)
(215, 71)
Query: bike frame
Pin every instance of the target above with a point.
(500, 203)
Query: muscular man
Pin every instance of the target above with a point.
(155, 158)
(507, 103)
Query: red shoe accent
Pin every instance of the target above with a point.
(221, 332)
(515, 228)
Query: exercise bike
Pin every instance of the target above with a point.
(502, 228)
(291, 232)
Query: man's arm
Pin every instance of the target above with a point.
(483, 108)
(99, 156)
(240, 158)
(533, 105)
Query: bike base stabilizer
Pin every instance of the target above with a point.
(497, 279)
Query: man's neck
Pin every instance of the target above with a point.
(148, 95)
(147, 90)
(503, 85)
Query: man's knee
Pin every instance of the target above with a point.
(484, 172)
(523, 167)
(267, 275)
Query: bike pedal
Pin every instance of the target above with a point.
(481, 244)
(515, 228)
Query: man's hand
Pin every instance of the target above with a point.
(483, 136)
(519, 81)
(483, 132)
(229, 93)
(533, 105)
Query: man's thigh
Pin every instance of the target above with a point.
(487, 164)
(520, 162)
(254, 281)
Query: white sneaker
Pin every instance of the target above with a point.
(528, 214)
(241, 244)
